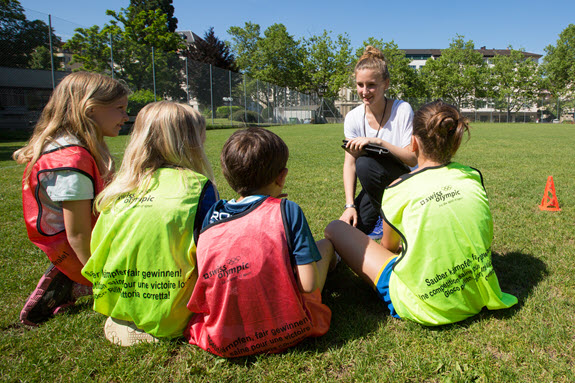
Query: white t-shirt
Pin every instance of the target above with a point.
(66, 185)
(61, 185)
(397, 130)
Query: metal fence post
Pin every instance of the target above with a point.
(231, 99)
(187, 82)
(51, 50)
(212, 94)
(245, 101)
(111, 55)
(258, 99)
(154, 72)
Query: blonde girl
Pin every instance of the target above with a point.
(67, 163)
(143, 263)
(380, 121)
(433, 265)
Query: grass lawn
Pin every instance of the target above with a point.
(534, 257)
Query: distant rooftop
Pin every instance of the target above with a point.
(483, 50)
(189, 36)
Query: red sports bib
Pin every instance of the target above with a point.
(246, 299)
(54, 242)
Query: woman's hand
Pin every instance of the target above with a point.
(349, 216)
(355, 145)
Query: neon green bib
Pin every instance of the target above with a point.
(444, 274)
(143, 254)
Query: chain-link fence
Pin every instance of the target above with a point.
(543, 110)
(34, 61)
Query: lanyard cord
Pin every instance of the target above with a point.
(380, 120)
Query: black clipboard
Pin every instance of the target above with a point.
(373, 150)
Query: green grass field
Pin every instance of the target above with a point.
(534, 257)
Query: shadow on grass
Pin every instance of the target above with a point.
(356, 312)
(518, 274)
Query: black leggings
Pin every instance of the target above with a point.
(374, 174)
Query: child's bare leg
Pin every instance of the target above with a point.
(328, 260)
(363, 255)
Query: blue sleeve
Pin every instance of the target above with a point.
(302, 243)
(208, 198)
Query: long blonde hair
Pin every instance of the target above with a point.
(165, 134)
(67, 114)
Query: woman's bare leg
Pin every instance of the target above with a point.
(363, 255)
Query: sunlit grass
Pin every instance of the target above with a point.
(534, 256)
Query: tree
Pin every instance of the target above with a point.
(20, 37)
(244, 44)
(280, 57)
(559, 63)
(457, 74)
(91, 49)
(132, 36)
(514, 81)
(42, 59)
(165, 6)
(205, 52)
(277, 57)
(327, 65)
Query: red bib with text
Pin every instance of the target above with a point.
(51, 239)
(246, 300)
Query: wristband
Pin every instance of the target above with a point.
(348, 205)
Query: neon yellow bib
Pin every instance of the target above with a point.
(444, 274)
(143, 254)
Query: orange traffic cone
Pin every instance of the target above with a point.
(550, 202)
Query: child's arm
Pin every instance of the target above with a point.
(78, 226)
(308, 277)
(304, 249)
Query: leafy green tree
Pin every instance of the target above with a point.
(327, 65)
(165, 6)
(559, 63)
(514, 81)
(132, 36)
(457, 75)
(403, 80)
(281, 57)
(42, 59)
(277, 57)
(20, 37)
(91, 49)
(244, 44)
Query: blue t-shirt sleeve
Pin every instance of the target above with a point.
(209, 197)
(302, 243)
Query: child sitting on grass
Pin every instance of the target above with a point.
(67, 164)
(439, 214)
(143, 264)
(260, 271)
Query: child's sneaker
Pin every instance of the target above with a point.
(125, 333)
(52, 294)
(377, 232)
